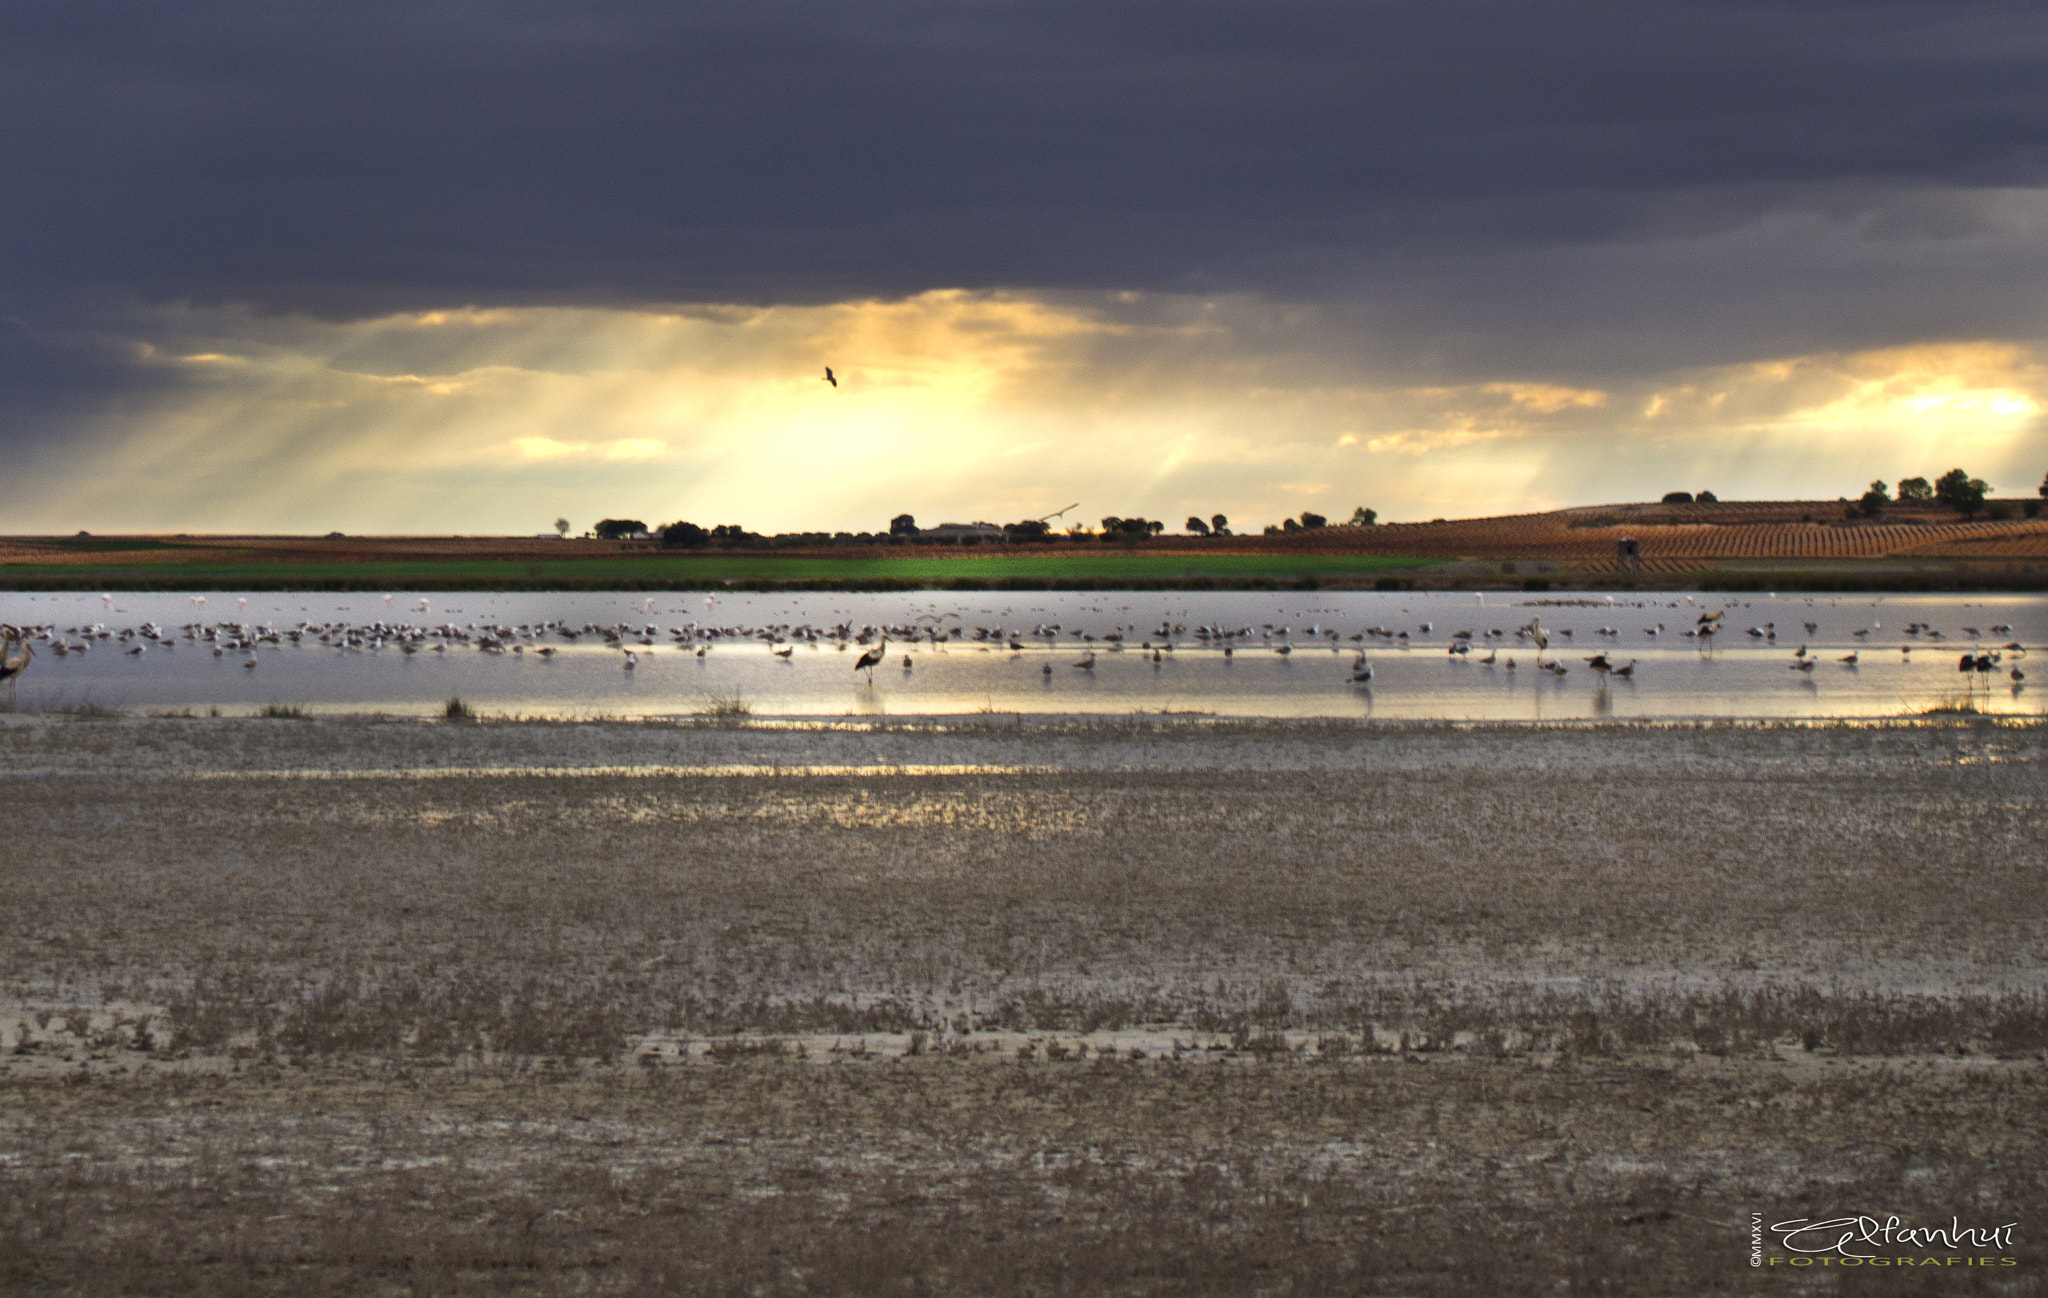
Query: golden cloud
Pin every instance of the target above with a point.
(960, 404)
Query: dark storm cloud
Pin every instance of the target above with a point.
(342, 159)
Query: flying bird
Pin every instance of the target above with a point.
(828, 377)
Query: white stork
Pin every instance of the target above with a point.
(872, 659)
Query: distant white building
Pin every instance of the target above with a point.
(960, 532)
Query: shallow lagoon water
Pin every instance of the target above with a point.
(1732, 675)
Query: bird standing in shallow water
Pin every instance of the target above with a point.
(12, 665)
(872, 659)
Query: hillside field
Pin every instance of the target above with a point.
(1732, 543)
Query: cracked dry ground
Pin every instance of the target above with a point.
(346, 1007)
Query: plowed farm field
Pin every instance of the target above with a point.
(1671, 538)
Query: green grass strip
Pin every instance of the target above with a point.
(694, 571)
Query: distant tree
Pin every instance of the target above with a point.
(1678, 497)
(1915, 491)
(903, 525)
(2044, 486)
(1031, 529)
(732, 534)
(617, 529)
(1875, 499)
(1196, 527)
(1289, 525)
(684, 536)
(1704, 498)
(1363, 517)
(561, 527)
(1961, 492)
(1126, 529)
(1220, 525)
(1310, 522)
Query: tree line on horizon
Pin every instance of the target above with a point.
(903, 530)
(1956, 490)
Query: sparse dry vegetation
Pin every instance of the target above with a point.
(1143, 1007)
(731, 706)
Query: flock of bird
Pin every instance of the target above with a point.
(632, 639)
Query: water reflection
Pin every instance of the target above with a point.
(1226, 653)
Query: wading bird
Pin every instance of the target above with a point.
(13, 664)
(872, 659)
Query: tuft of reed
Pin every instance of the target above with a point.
(456, 710)
(1953, 705)
(726, 707)
(284, 711)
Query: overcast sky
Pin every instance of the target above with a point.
(466, 266)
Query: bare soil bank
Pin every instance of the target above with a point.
(358, 1007)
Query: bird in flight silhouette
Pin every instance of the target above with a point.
(828, 377)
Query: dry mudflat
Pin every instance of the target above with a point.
(353, 1006)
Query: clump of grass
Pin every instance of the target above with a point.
(284, 711)
(1954, 705)
(726, 707)
(456, 710)
(740, 1048)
